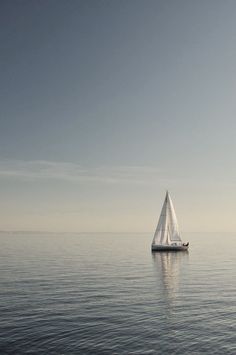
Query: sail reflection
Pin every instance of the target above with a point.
(169, 266)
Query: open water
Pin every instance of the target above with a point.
(108, 294)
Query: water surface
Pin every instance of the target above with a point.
(108, 294)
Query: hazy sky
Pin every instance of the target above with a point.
(105, 104)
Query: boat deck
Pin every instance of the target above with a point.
(169, 248)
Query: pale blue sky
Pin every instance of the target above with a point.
(105, 104)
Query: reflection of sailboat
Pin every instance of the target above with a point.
(167, 235)
(168, 266)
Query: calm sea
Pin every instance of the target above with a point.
(108, 294)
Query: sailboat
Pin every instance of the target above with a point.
(167, 235)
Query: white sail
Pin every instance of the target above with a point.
(167, 231)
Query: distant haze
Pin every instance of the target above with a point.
(106, 104)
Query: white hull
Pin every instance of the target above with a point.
(169, 247)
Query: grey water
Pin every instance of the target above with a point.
(108, 294)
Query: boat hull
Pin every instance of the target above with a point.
(169, 247)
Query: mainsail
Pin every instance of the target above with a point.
(167, 231)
